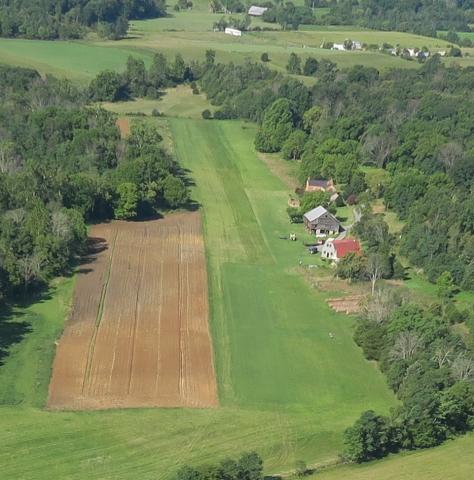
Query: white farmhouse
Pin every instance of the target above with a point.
(233, 31)
(338, 46)
(334, 249)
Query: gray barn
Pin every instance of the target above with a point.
(322, 223)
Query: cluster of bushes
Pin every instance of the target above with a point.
(288, 15)
(51, 20)
(232, 22)
(138, 81)
(429, 367)
(63, 163)
(379, 259)
(249, 466)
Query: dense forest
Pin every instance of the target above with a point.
(425, 17)
(62, 164)
(47, 19)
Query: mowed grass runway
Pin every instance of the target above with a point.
(286, 389)
(271, 331)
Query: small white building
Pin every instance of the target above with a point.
(338, 46)
(257, 11)
(233, 31)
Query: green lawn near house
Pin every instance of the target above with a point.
(451, 461)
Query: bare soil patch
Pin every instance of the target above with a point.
(124, 126)
(138, 333)
(349, 305)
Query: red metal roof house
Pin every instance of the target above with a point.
(335, 249)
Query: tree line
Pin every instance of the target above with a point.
(425, 17)
(63, 163)
(428, 366)
(48, 19)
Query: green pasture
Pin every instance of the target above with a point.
(451, 461)
(176, 102)
(270, 330)
(190, 34)
(73, 60)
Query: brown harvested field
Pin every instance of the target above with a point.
(138, 332)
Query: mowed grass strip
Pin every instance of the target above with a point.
(271, 332)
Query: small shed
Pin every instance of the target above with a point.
(257, 11)
(322, 223)
(233, 31)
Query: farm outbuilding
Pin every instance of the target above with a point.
(319, 185)
(257, 11)
(233, 31)
(322, 223)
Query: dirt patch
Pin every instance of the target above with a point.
(138, 332)
(349, 305)
(124, 126)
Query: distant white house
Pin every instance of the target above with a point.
(233, 31)
(257, 11)
(342, 48)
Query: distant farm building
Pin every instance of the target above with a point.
(346, 46)
(334, 249)
(319, 185)
(257, 11)
(322, 223)
(233, 31)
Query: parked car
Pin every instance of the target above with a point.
(313, 249)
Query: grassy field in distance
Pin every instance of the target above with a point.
(176, 102)
(190, 33)
(451, 461)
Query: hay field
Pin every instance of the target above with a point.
(138, 331)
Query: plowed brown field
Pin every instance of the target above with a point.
(138, 332)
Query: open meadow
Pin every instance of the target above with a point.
(190, 34)
(451, 461)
